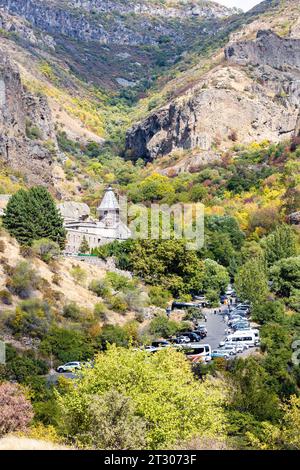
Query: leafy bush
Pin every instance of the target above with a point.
(67, 345)
(24, 280)
(46, 249)
(113, 334)
(79, 275)
(16, 410)
(5, 297)
(159, 296)
(100, 311)
(21, 367)
(161, 326)
(33, 317)
(100, 287)
(114, 424)
(72, 311)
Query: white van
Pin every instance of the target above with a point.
(250, 337)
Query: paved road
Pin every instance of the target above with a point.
(215, 328)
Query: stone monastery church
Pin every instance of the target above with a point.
(80, 225)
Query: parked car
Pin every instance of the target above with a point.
(239, 348)
(230, 349)
(182, 340)
(235, 319)
(201, 331)
(229, 290)
(69, 367)
(193, 336)
(219, 353)
(240, 326)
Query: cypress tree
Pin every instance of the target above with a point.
(84, 246)
(32, 215)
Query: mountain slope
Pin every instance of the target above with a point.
(107, 42)
(250, 94)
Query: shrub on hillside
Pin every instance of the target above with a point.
(67, 345)
(78, 274)
(72, 311)
(24, 280)
(159, 296)
(33, 317)
(100, 287)
(16, 410)
(5, 297)
(100, 311)
(161, 326)
(46, 249)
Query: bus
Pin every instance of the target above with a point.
(196, 352)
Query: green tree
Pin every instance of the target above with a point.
(215, 276)
(285, 276)
(32, 215)
(163, 391)
(280, 244)
(251, 391)
(268, 311)
(251, 281)
(84, 246)
(159, 296)
(161, 326)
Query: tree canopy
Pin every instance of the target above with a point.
(32, 215)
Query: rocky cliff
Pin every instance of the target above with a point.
(26, 129)
(252, 96)
(114, 43)
(107, 21)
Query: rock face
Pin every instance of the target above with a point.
(104, 21)
(253, 96)
(268, 49)
(25, 127)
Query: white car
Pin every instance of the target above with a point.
(230, 349)
(239, 348)
(69, 367)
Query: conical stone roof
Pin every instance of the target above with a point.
(109, 201)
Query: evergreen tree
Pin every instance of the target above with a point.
(32, 215)
(84, 246)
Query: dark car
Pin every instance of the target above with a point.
(193, 336)
(201, 331)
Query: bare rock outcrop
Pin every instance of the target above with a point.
(254, 95)
(26, 127)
